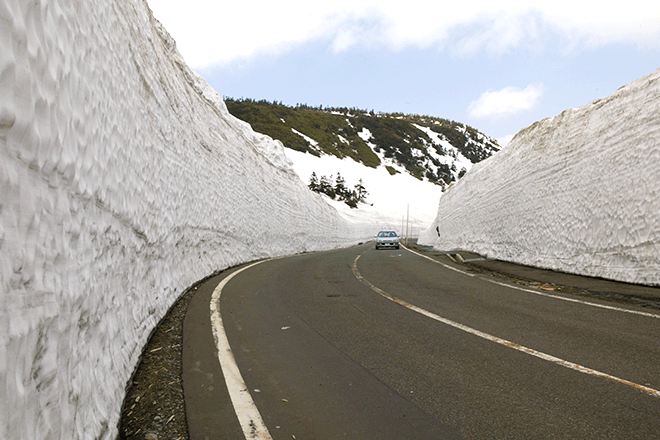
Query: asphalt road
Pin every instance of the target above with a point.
(365, 344)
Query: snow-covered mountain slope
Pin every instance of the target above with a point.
(124, 180)
(430, 149)
(579, 192)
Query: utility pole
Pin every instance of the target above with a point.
(407, 222)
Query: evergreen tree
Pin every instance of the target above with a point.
(326, 186)
(313, 182)
(340, 187)
(351, 199)
(360, 192)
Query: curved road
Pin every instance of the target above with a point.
(365, 344)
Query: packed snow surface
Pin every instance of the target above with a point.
(579, 192)
(124, 180)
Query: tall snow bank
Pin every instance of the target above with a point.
(578, 193)
(124, 180)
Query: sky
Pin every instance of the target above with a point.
(496, 66)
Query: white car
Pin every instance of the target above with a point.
(387, 239)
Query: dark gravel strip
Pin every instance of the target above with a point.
(154, 407)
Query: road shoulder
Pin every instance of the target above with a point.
(647, 297)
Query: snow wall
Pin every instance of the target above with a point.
(578, 193)
(124, 180)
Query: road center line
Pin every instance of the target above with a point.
(246, 411)
(497, 340)
(549, 295)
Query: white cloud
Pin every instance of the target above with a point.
(504, 140)
(506, 102)
(209, 32)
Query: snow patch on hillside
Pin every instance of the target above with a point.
(579, 192)
(455, 157)
(391, 199)
(312, 143)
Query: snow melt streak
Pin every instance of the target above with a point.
(123, 181)
(579, 192)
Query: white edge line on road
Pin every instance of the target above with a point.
(439, 262)
(549, 295)
(500, 341)
(246, 411)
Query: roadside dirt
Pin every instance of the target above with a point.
(154, 407)
(547, 280)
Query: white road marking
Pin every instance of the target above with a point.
(439, 262)
(535, 292)
(497, 340)
(246, 411)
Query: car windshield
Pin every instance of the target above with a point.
(386, 234)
